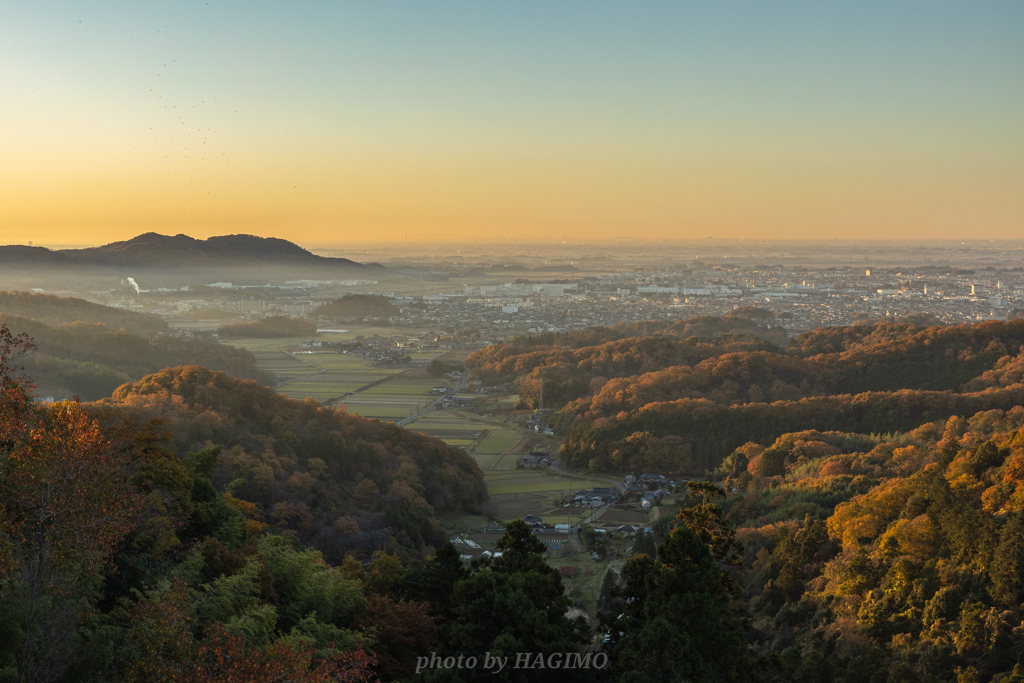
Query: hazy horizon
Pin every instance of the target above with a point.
(867, 250)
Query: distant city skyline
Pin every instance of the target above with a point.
(346, 122)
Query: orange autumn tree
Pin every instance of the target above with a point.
(63, 508)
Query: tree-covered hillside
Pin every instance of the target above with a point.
(358, 306)
(341, 483)
(55, 310)
(898, 558)
(200, 528)
(90, 360)
(681, 404)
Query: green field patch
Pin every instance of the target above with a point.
(393, 387)
(637, 517)
(485, 460)
(586, 586)
(498, 441)
(458, 442)
(333, 385)
(276, 344)
(381, 410)
(445, 416)
(554, 518)
(446, 434)
(283, 366)
(418, 399)
(509, 506)
(425, 357)
(338, 362)
(449, 426)
(505, 481)
(354, 379)
(525, 488)
(508, 461)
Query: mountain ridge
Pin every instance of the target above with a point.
(176, 259)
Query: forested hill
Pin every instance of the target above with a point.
(706, 326)
(164, 534)
(342, 483)
(682, 404)
(577, 364)
(892, 356)
(173, 260)
(570, 373)
(703, 326)
(55, 310)
(90, 360)
(886, 559)
(359, 306)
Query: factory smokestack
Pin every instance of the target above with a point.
(134, 285)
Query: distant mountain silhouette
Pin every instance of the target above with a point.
(164, 260)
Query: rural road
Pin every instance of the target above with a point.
(462, 385)
(421, 413)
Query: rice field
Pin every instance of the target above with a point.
(427, 423)
(350, 381)
(508, 461)
(383, 410)
(276, 344)
(498, 441)
(398, 386)
(553, 517)
(282, 365)
(485, 461)
(523, 481)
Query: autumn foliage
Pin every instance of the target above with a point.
(160, 647)
(623, 397)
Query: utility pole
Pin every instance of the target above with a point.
(541, 407)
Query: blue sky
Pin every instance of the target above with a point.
(333, 119)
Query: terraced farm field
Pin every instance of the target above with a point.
(346, 380)
(454, 429)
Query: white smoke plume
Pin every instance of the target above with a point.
(131, 281)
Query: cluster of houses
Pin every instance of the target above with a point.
(316, 344)
(646, 490)
(539, 426)
(537, 524)
(535, 459)
(597, 497)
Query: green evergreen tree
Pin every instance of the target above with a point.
(1008, 563)
(513, 604)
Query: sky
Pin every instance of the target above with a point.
(330, 122)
